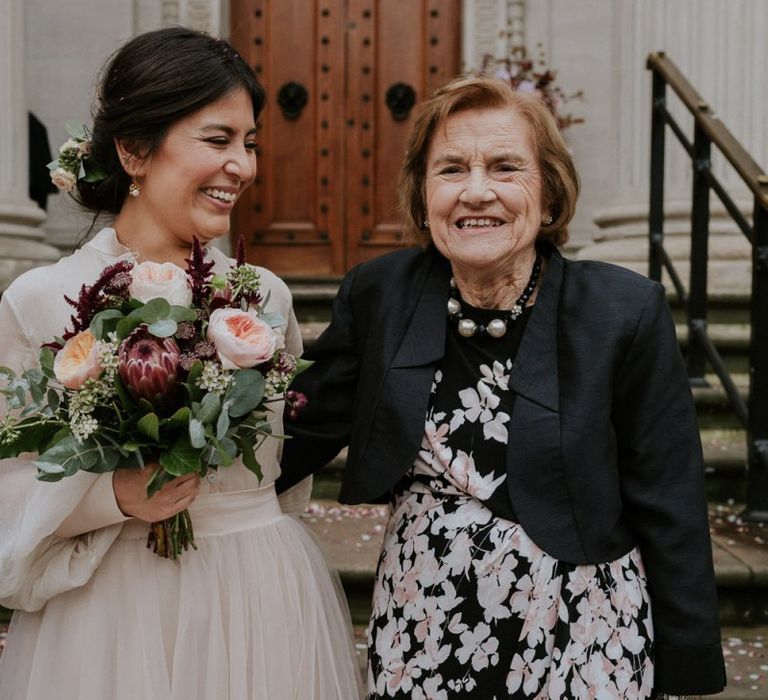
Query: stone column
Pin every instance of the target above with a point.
(602, 47)
(21, 239)
(491, 27)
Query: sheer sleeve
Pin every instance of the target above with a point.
(35, 563)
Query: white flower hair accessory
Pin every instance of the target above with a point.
(74, 162)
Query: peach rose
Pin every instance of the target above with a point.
(241, 338)
(77, 361)
(151, 280)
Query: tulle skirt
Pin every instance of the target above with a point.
(254, 613)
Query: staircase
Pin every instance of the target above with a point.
(351, 535)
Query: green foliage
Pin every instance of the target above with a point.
(245, 393)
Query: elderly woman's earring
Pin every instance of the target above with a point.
(548, 220)
(133, 189)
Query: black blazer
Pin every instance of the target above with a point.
(603, 454)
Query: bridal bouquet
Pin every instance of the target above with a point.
(160, 365)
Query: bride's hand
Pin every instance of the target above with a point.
(130, 486)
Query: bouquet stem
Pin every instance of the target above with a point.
(169, 538)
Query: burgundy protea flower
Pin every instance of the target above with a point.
(149, 367)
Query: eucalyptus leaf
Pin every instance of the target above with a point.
(226, 450)
(76, 130)
(154, 310)
(182, 313)
(107, 462)
(208, 409)
(70, 455)
(49, 476)
(105, 322)
(126, 326)
(50, 467)
(164, 328)
(245, 393)
(223, 422)
(274, 320)
(197, 434)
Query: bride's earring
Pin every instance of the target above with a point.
(134, 189)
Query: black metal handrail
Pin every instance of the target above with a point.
(709, 131)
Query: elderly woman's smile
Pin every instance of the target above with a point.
(484, 194)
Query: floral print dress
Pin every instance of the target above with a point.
(465, 604)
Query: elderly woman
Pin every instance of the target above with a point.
(529, 420)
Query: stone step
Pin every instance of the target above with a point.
(313, 298)
(352, 536)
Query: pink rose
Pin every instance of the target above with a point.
(151, 280)
(241, 338)
(77, 361)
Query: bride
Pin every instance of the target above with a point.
(254, 612)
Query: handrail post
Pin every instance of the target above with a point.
(757, 431)
(656, 208)
(697, 296)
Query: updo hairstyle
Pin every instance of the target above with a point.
(154, 80)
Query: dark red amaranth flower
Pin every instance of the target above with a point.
(149, 367)
(295, 402)
(111, 285)
(199, 272)
(240, 256)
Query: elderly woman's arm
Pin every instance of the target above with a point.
(324, 425)
(662, 481)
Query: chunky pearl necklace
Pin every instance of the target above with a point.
(496, 327)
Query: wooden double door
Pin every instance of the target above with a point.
(343, 78)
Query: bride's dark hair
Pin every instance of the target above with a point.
(151, 82)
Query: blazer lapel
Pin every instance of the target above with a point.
(424, 340)
(534, 374)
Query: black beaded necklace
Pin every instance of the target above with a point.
(496, 327)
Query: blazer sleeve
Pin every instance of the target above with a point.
(663, 492)
(323, 427)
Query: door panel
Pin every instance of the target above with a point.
(326, 194)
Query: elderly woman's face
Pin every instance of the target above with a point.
(483, 188)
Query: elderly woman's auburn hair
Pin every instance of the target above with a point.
(560, 182)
